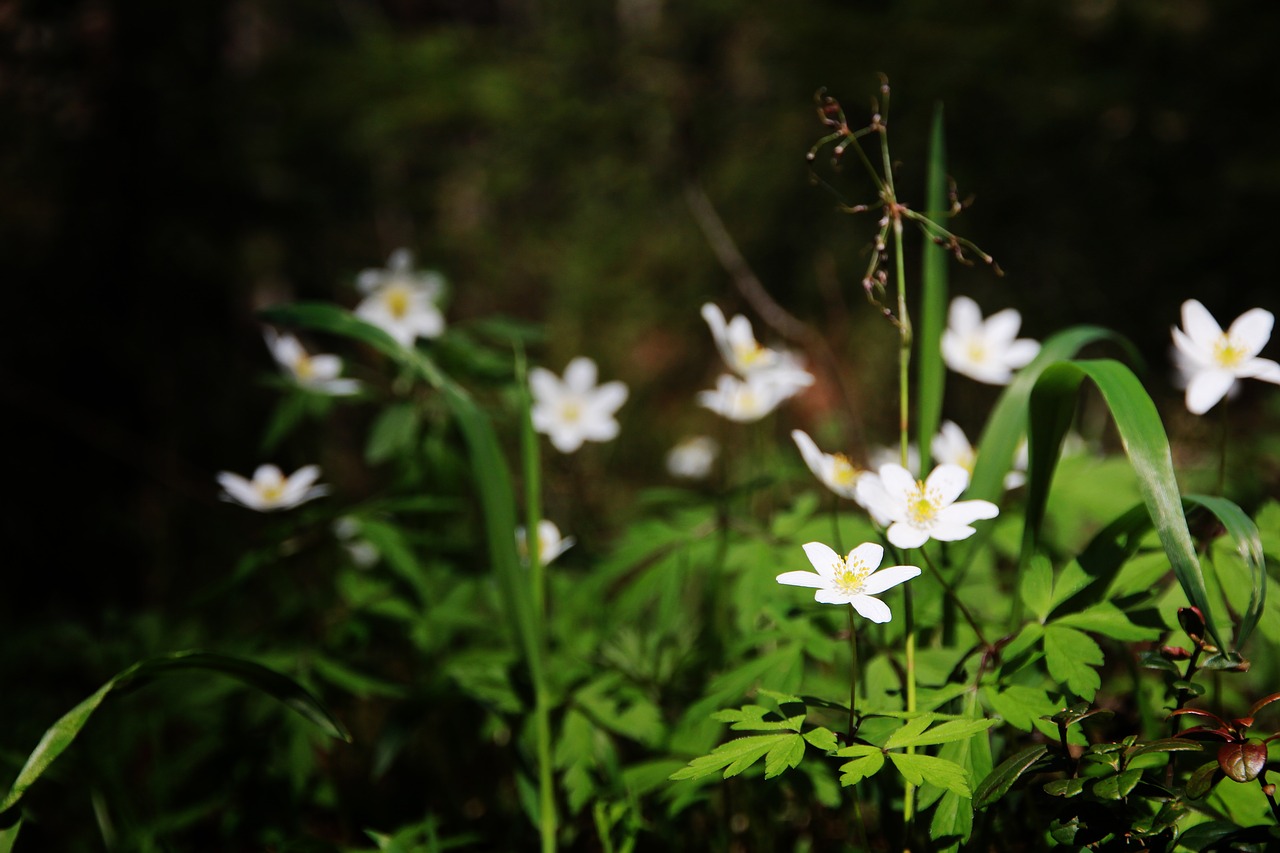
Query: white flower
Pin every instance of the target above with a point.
(834, 470)
(850, 580)
(892, 455)
(317, 373)
(951, 446)
(692, 458)
(920, 511)
(985, 350)
(400, 301)
(575, 410)
(270, 489)
(743, 400)
(363, 553)
(737, 343)
(1211, 360)
(550, 544)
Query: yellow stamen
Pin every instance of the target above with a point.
(851, 575)
(571, 411)
(843, 472)
(977, 350)
(748, 354)
(397, 298)
(922, 505)
(1227, 352)
(303, 368)
(270, 492)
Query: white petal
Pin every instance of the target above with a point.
(823, 558)
(1199, 324)
(832, 596)
(1253, 329)
(887, 578)
(325, 366)
(806, 579)
(370, 280)
(1021, 352)
(871, 608)
(1260, 368)
(813, 457)
(898, 481)
(239, 489)
(268, 474)
(949, 531)
(902, 535)
(1002, 327)
(609, 397)
(868, 553)
(544, 385)
(580, 375)
(304, 476)
(339, 387)
(401, 260)
(565, 440)
(1206, 388)
(948, 482)
(599, 428)
(871, 496)
(964, 315)
(967, 512)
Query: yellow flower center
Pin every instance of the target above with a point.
(1227, 352)
(571, 411)
(977, 350)
(303, 368)
(397, 298)
(748, 354)
(843, 472)
(851, 575)
(922, 505)
(270, 492)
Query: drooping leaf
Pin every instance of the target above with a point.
(1001, 779)
(64, 732)
(1248, 541)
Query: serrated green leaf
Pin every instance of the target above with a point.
(1027, 636)
(1036, 586)
(910, 729)
(919, 769)
(822, 738)
(62, 733)
(1107, 619)
(1001, 779)
(1020, 705)
(785, 755)
(951, 730)
(869, 764)
(733, 757)
(1071, 657)
(1117, 786)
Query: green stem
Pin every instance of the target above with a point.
(860, 826)
(1222, 451)
(955, 598)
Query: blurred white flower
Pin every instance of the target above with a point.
(400, 301)
(885, 455)
(270, 489)
(362, 552)
(317, 373)
(693, 458)
(550, 543)
(951, 447)
(850, 580)
(834, 470)
(737, 343)
(575, 410)
(744, 400)
(985, 350)
(1211, 361)
(920, 511)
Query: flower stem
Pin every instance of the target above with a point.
(1222, 451)
(859, 825)
(955, 599)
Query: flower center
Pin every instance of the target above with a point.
(922, 507)
(571, 411)
(1227, 352)
(748, 354)
(270, 492)
(977, 350)
(303, 368)
(851, 575)
(843, 472)
(398, 301)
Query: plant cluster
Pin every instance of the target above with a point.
(1030, 646)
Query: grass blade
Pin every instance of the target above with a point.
(931, 373)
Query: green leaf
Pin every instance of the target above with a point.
(1169, 744)
(868, 764)
(822, 738)
(999, 781)
(1117, 786)
(1071, 657)
(737, 755)
(62, 733)
(919, 769)
(951, 730)
(1202, 779)
(785, 755)
(1036, 586)
(1110, 621)
(1065, 787)
(1248, 541)
(1020, 705)
(931, 373)
(910, 730)
(1053, 401)
(393, 432)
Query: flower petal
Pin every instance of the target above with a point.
(1021, 352)
(806, 579)
(813, 457)
(544, 385)
(580, 375)
(1260, 368)
(886, 578)
(898, 482)
(871, 608)
(950, 531)
(609, 397)
(1199, 324)
(1253, 329)
(868, 553)
(903, 535)
(1002, 327)
(825, 561)
(967, 512)
(832, 596)
(238, 489)
(964, 315)
(948, 482)
(1206, 388)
